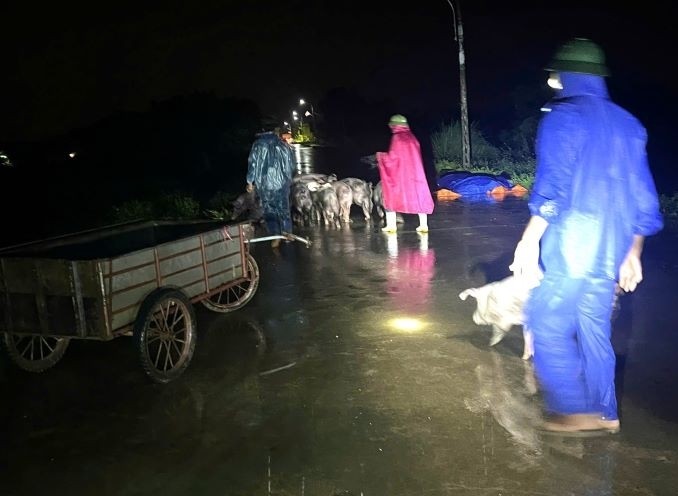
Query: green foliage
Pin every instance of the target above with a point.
(219, 207)
(133, 210)
(304, 134)
(177, 206)
(446, 143)
(525, 179)
(167, 206)
(517, 163)
(669, 206)
(518, 142)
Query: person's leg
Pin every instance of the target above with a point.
(285, 217)
(423, 223)
(551, 316)
(270, 215)
(270, 207)
(594, 328)
(391, 225)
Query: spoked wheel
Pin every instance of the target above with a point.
(34, 353)
(238, 295)
(165, 334)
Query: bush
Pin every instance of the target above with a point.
(220, 206)
(446, 144)
(133, 210)
(517, 164)
(177, 206)
(168, 206)
(669, 206)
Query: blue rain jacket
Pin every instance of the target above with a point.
(271, 165)
(594, 188)
(593, 184)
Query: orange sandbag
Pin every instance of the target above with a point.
(518, 190)
(501, 192)
(446, 194)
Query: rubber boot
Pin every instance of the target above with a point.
(423, 224)
(391, 225)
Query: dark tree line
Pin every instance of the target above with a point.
(196, 145)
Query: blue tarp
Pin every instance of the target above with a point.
(472, 183)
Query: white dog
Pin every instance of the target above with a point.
(500, 304)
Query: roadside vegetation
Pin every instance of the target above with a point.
(513, 157)
(185, 158)
(669, 207)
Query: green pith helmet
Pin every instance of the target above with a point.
(397, 120)
(579, 55)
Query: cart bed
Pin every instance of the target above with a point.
(91, 284)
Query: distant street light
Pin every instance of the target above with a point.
(309, 114)
(459, 36)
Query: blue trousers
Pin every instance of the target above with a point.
(573, 356)
(276, 207)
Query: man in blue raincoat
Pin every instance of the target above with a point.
(271, 165)
(594, 201)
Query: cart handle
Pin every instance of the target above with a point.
(286, 236)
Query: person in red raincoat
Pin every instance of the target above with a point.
(403, 180)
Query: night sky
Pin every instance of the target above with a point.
(67, 64)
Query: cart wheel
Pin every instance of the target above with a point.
(34, 353)
(236, 296)
(165, 333)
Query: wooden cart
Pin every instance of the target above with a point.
(137, 279)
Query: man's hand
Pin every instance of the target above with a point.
(631, 270)
(249, 188)
(526, 263)
(526, 257)
(630, 273)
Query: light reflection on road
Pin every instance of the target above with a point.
(304, 157)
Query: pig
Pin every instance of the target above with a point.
(248, 205)
(301, 203)
(378, 200)
(325, 204)
(314, 177)
(500, 304)
(345, 199)
(362, 194)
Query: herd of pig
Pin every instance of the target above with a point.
(320, 198)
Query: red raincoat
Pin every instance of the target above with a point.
(402, 174)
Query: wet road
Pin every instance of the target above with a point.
(312, 388)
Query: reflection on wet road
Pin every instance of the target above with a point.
(354, 370)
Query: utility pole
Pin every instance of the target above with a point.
(459, 37)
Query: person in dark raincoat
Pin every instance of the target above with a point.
(271, 165)
(594, 201)
(403, 181)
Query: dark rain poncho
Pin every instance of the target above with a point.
(594, 188)
(271, 166)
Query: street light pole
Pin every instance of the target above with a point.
(465, 138)
(304, 102)
(294, 120)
